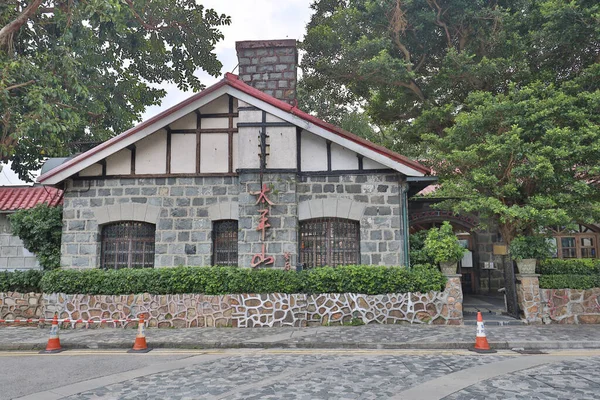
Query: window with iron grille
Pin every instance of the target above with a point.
(225, 242)
(329, 241)
(128, 244)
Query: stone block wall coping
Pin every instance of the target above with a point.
(452, 275)
(519, 276)
(224, 210)
(331, 207)
(127, 212)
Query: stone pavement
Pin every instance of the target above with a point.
(367, 337)
(346, 374)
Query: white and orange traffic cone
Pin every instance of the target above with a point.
(140, 346)
(481, 343)
(53, 345)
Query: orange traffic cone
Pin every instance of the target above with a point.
(140, 346)
(53, 345)
(481, 343)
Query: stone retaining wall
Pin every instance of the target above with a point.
(245, 310)
(15, 305)
(571, 306)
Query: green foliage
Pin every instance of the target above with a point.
(442, 245)
(40, 230)
(21, 281)
(417, 252)
(503, 97)
(224, 280)
(576, 266)
(569, 281)
(82, 71)
(534, 246)
(354, 322)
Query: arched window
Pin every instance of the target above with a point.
(128, 244)
(329, 241)
(225, 242)
(579, 241)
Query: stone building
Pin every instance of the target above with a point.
(13, 255)
(237, 175)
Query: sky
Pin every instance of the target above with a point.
(250, 20)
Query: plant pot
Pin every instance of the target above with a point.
(449, 268)
(526, 265)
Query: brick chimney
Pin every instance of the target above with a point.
(269, 66)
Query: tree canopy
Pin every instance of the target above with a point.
(80, 71)
(501, 96)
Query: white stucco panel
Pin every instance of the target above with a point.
(250, 116)
(370, 164)
(214, 123)
(234, 151)
(151, 154)
(272, 118)
(187, 122)
(342, 158)
(119, 163)
(92, 170)
(214, 152)
(183, 153)
(218, 105)
(247, 149)
(313, 152)
(282, 150)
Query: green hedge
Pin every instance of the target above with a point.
(21, 281)
(569, 281)
(231, 280)
(582, 266)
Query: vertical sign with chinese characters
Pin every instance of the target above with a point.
(263, 224)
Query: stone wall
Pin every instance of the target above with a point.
(244, 310)
(179, 207)
(380, 232)
(162, 311)
(528, 297)
(15, 305)
(12, 253)
(570, 306)
(282, 235)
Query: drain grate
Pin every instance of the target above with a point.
(528, 351)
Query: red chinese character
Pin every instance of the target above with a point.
(263, 222)
(260, 258)
(262, 195)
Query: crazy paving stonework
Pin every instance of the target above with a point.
(269, 310)
(244, 310)
(162, 311)
(15, 305)
(570, 306)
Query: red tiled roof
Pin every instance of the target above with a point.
(24, 198)
(235, 82)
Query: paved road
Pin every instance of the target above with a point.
(301, 374)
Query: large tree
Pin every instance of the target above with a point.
(502, 96)
(80, 71)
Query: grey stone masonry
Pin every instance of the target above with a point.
(282, 235)
(13, 254)
(181, 209)
(374, 200)
(269, 66)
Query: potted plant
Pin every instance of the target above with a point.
(443, 247)
(526, 250)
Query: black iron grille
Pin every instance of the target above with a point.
(329, 241)
(225, 242)
(128, 245)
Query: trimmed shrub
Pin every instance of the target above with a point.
(231, 280)
(569, 281)
(21, 281)
(578, 266)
